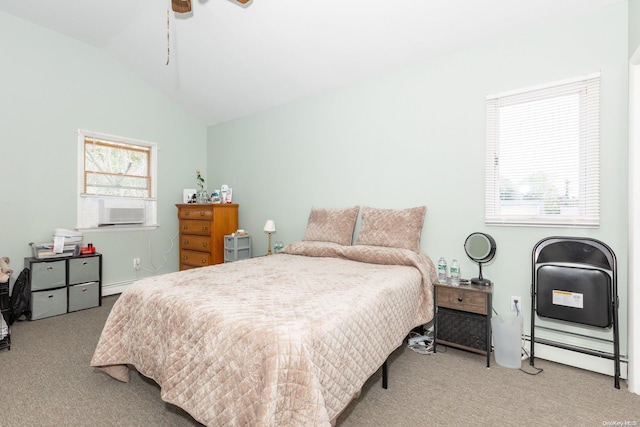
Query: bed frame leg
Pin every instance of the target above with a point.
(384, 375)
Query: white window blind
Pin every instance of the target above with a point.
(543, 155)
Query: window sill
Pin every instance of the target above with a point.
(110, 228)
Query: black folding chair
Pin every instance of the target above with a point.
(575, 280)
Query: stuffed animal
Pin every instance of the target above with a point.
(5, 271)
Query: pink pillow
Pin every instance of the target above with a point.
(332, 225)
(394, 228)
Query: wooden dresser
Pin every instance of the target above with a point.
(202, 230)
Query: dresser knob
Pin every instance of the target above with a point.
(184, 227)
(187, 213)
(205, 244)
(203, 228)
(459, 299)
(202, 213)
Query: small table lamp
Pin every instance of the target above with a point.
(269, 227)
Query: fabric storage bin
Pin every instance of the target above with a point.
(83, 296)
(48, 303)
(84, 269)
(48, 275)
(467, 329)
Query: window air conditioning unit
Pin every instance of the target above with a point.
(121, 212)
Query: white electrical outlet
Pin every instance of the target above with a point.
(136, 263)
(516, 301)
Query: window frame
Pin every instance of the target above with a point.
(88, 203)
(588, 157)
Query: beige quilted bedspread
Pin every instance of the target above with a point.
(283, 340)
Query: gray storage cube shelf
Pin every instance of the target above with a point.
(60, 286)
(237, 248)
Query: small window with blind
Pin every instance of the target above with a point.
(116, 181)
(543, 155)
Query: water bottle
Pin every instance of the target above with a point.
(455, 273)
(442, 270)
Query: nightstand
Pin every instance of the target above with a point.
(463, 317)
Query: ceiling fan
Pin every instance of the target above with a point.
(184, 6)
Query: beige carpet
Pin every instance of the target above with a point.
(45, 380)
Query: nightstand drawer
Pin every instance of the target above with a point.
(461, 299)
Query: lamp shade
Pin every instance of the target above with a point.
(270, 226)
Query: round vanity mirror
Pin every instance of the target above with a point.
(481, 248)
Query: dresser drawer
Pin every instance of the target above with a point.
(48, 275)
(82, 270)
(196, 243)
(196, 212)
(196, 259)
(461, 299)
(202, 228)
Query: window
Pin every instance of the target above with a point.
(116, 181)
(543, 155)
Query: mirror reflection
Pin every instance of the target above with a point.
(481, 248)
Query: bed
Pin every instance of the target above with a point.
(287, 339)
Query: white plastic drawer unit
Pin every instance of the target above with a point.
(48, 275)
(48, 303)
(237, 248)
(84, 269)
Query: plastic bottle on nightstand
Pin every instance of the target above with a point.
(442, 270)
(455, 273)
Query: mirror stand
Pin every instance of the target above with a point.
(480, 280)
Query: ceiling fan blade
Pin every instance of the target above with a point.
(181, 6)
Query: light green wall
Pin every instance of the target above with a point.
(51, 86)
(634, 26)
(417, 137)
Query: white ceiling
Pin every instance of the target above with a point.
(228, 60)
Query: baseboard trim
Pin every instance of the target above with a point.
(115, 288)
